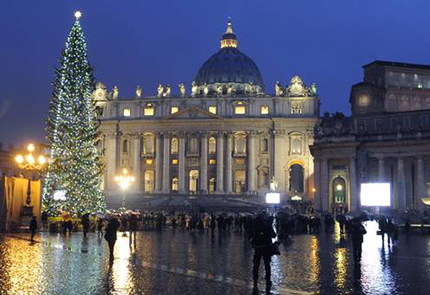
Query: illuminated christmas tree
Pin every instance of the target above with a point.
(73, 178)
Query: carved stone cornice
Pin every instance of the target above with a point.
(279, 133)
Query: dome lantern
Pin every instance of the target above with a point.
(229, 37)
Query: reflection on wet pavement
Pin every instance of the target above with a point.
(171, 262)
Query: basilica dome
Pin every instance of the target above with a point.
(229, 69)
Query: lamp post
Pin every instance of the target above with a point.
(124, 180)
(28, 162)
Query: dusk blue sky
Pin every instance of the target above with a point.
(136, 42)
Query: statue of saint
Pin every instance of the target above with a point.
(115, 92)
(273, 184)
(278, 89)
(160, 90)
(206, 90)
(168, 91)
(251, 88)
(230, 89)
(219, 89)
(182, 89)
(138, 91)
(314, 89)
(194, 89)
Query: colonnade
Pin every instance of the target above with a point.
(402, 188)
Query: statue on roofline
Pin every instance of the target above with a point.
(138, 91)
(182, 89)
(160, 90)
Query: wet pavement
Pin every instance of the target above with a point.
(176, 262)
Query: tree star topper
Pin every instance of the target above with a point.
(78, 14)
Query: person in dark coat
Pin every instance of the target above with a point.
(33, 227)
(261, 238)
(357, 232)
(132, 228)
(110, 235)
(85, 220)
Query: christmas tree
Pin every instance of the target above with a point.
(73, 177)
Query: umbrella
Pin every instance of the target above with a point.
(100, 215)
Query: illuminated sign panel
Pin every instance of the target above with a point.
(273, 198)
(375, 194)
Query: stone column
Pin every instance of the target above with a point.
(204, 164)
(353, 184)
(229, 160)
(317, 183)
(325, 198)
(381, 169)
(111, 160)
(182, 176)
(278, 159)
(136, 162)
(166, 164)
(251, 162)
(158, 163)
(401, 184)
(220, 163)
(421, 182)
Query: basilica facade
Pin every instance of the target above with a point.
(224, 136)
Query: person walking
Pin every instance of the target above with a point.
(357, 233)
(33, 227)
(261, 239)
(85, 220)
(382, 223)
(132, 228)
(110, 235)
(100, 225)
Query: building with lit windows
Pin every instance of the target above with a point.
(225, 137)
(387, 139)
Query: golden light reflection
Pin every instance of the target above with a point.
(24, 267)
(340, 267)
(315, 261)
(121, 271)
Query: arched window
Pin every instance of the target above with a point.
(212, 145)
(149, 181)
(339, 190)
(175, 184)
(297, 146)
(193, 181)
(265, 145)
(125, 146)
(193, 148)
(240, 144)
(174, 146)
(148, 145)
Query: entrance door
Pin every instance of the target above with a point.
(297, 179)
(339, 191)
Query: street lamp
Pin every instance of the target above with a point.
(124, 180)
(28, 162)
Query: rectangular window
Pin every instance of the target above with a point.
(148, 161)
(264, 110)
(240, 110)
(174, 110)
(126, 112)
(175, 162)
(212, 161)
(212, 109)
(148, 111)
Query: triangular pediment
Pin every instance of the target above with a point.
(192, 113)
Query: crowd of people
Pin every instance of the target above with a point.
(264, 230)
